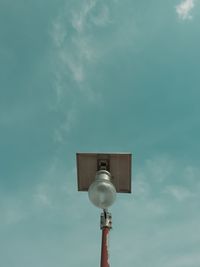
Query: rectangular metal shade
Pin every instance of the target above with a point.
(119, 165)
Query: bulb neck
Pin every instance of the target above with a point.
(103, 175)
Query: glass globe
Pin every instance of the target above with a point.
(102, 192)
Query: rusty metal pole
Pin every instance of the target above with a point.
(106, 225)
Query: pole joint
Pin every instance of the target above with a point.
(106, 220)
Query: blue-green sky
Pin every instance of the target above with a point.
(97, 75)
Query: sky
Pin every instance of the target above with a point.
(99, 76)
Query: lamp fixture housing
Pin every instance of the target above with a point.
(117, 164)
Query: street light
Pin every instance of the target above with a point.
(103, 175)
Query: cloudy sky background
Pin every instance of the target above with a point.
(91, 75)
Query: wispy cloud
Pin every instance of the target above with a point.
(54, 199)
(12, 215)
(184, 9)
(187, 259)
(54, 191)
(164, 175)
(75, 53)
(180, 193)
(11, 210)
(41, 197)
(67, 124)
(79, 17)
(55, 185)
(71, 35)
(102, 18)
(163, 207)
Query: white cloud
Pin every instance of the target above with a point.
(180, 193)
(58, 33)
(164, 175)
(102, 18)
(74, 49)
(11, 210)
(188, 259)
(41, 197)
(67, 124)
(13, 215)
(184, 8)
(144, 227)
(74, 54)
(79, 17)
(163, 207)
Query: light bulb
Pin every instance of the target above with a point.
(102, 192)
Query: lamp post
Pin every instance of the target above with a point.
(112, 174)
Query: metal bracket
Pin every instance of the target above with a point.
(106, 220)
(103, 164)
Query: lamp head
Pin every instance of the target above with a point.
(102, 192)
